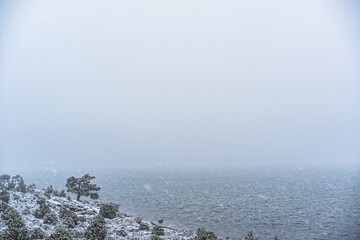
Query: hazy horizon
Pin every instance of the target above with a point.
(179, 84)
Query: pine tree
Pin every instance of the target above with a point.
(82, 187)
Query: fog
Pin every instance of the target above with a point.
(175, 84)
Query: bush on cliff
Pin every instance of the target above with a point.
(42, 210)
(108, 210)
(60, 233)
(16, 228)
(202, 234)
(5, 196)
(157, 230)
(96, 229)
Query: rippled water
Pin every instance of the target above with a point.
(292, 204)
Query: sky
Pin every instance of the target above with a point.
(176, 84)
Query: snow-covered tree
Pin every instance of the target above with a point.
(82, 187)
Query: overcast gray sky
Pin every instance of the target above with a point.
(132, 83)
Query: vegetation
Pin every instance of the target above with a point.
(4, 196)
(82, 187)
(69, 218)
(16, 228)
(42, 210)
(36, 233)
(60, 233)
(108, 210)
(202, 234)
(157, 230)
(144, 226)
(50, 218)
(122, 233)
(96, 229)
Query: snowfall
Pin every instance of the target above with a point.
(25, 204)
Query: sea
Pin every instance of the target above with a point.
(290, 203)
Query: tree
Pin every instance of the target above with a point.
(82, 187)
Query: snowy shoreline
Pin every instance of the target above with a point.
(122, 226)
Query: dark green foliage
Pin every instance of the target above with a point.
(56, 193)
(16, 228)
(94, 195)
(50, 218)
(96, 229)
(4, 196)
(138, 220)
(16, 197)
(36, 233)
(155, 237)
(60, 234)
(202, 234)
(68, 198)
(26, 211)
(48, 195)
(122, 233)
(82, 219)
(108, 210)
(5, 181)
(62, 193)
(49, 189)
(81, 186)
(251, 236)
(42, 210)
(68, 217)
(144, 226)
(78, 234)
(157, 230)
(31, 188)
(18, 184)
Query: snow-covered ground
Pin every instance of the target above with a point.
(26, 203)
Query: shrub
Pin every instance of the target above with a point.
(202, 234)
(144, 226)
(4, 181)
(50, 218)
(60, 234)
(31, 188)
(138, 220)
(82, 219)
(108, 210)
(62, 193)
(155, 237)
(56, 193)
(81, 186)
(4, 196)
(96, 229)
(42, 210)
(18, 184)
(16, 228)
(36, 233)
(122, 233)
(157, 230)
(26, 211)
(69, 218)
(48, 195)
(49, 189)
(250, 236)
(16, 197)
(78, 234)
